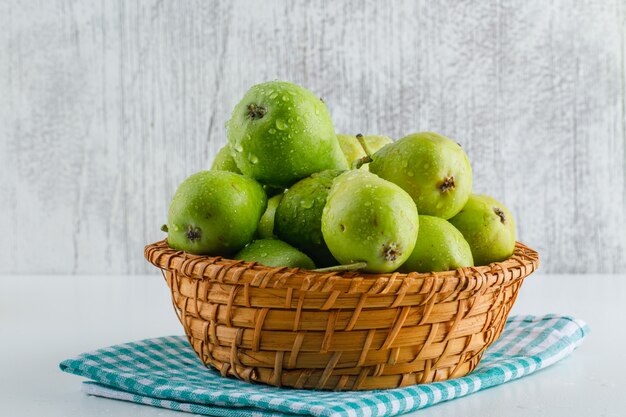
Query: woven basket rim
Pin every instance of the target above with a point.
(523, 262)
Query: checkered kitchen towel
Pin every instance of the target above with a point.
(165, 372)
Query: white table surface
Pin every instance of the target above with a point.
(45, 319)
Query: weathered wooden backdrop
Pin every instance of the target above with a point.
(106, 106)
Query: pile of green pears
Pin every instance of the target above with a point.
(287, 191)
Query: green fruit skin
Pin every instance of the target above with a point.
(298, 218)
(353, 150)
(439, 247)
(275, 253)
(374, 143)
(224, 161)
(293, 139)
(222, 206)
(350, 147)
(368, 219)
(490, 239)
(419, 163)
(266, 224)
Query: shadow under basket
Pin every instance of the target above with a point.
(339, 331)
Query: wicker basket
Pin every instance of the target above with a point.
(339, 331)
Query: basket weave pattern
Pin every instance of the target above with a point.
(339, 331)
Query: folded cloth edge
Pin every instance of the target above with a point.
(104, 391)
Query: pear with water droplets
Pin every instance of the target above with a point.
(224, 161)
(275, 253)
(432, 168)
(488, 227)
(439, 247)
(214, 213)
(281, 132)
(368, 219)
(298, 218)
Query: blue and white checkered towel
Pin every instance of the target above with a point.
(165, 372)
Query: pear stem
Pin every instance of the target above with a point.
(343, 268)
(361, 161)
(361, 140)
(368, 155)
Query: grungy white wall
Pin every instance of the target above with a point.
(106, 106)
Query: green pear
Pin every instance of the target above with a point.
(374, 143)
(353, 150)
(299, 216)
(433, 169)
(224, 161)
(215, 213)
(281, 132)
(368, 219)
(439, 247)
(266, 224)
(488, 227)
(275, 253)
